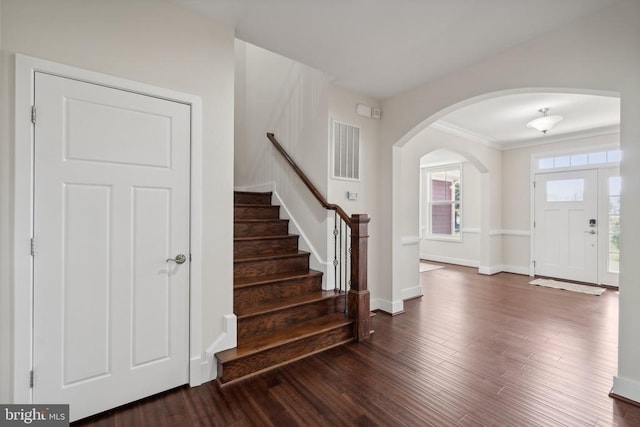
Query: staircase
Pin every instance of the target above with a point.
(282, 312)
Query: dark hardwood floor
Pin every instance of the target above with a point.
(474, 350)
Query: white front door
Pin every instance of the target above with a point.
(566, 225)
(111, 206)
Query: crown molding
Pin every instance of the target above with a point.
(452, 129)
(546, 139)
(461, 132)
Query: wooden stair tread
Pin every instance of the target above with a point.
(282, 312)
(256, 193)
(259, 220)
(271, 257)
(267, 237)
(252, 345)
(245, 282)
(260, 227)
(251, 205)
(279, 305)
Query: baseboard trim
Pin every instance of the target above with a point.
(490, 270)
(482, 269)
(387, 306)
(450, 260)
(626, 389)
(226, 340)
(410, 293)
(515, 269)
(495, 269)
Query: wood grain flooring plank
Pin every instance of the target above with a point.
(473, 351)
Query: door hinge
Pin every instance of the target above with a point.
(33, 114)
(534, 264)
(190, 258)
(33, 246)
(534, 224)
(534, 184)
(31, 379)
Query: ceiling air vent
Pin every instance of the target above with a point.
(346, 151)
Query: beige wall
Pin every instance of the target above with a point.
(342, 107)
(279, 95)
(6, 311)
(149, 41)
(600, 54)
(296, 102)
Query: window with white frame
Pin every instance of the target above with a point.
(580, 159)
(442, 209)
(613, 261)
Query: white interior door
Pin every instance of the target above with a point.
(566, 225)
(111, 206)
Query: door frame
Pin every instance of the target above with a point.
(534, 170)
(25, 69)
(538, 179)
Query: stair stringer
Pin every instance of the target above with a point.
(226, 340)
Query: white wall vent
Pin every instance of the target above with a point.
(346, 151)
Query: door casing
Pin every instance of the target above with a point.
(25, 69)
(587, 269)
(606, 168)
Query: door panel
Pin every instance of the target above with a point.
(111, 206)
(552, 236)
(566, 245)
(102, 132)
(151, 317)
(578, 241)
(85, 275)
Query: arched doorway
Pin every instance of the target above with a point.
(505, 230)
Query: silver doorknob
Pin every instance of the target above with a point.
(179, 259)
(591, 232)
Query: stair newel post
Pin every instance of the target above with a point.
(335, 251)
(358, 300)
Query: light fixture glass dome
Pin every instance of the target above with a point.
(544, 123)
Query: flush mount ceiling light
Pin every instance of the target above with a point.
(544, 123)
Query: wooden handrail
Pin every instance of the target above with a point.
(316, 193)
(358, 296)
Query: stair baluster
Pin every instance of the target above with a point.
(358, 295)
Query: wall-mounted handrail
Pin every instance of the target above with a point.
(358, 303)
(316, 193)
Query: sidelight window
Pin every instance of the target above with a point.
(613, 262)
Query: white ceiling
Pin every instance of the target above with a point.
(501, 122)
(383, 47)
